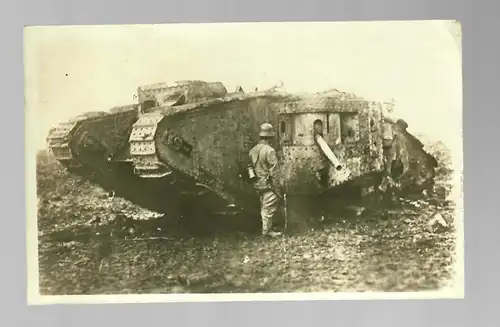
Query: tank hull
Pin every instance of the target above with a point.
(191, 155)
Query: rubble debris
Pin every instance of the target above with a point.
(437, 222)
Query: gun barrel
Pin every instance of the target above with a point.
(328, 152)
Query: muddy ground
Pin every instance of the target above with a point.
(92, 244)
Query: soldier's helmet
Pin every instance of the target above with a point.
(266, 129)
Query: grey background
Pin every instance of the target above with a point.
(480, 33)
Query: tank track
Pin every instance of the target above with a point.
(143, 147)
(146, 163)
(145, 160)
(58, 143)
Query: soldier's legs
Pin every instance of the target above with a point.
(269, 205)
(388, 155)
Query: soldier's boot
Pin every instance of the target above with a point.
(266, 229)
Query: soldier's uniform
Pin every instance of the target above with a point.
(265, 163)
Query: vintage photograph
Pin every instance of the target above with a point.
(244, 161)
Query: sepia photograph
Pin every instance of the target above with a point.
(244, 161)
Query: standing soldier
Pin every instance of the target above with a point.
(265, 165)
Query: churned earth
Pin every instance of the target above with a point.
(90, 243)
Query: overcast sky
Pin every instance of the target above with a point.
(70, 70)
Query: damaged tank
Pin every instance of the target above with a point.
(182, 149)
